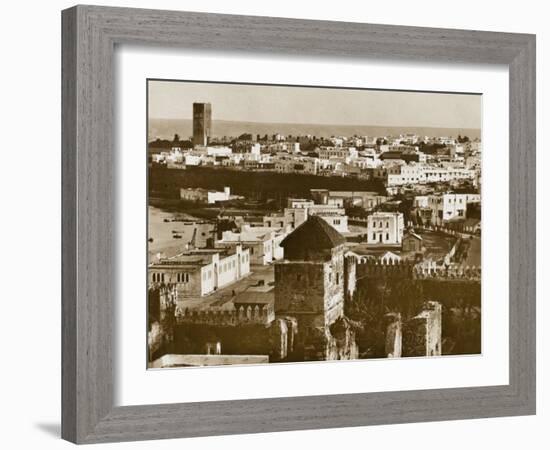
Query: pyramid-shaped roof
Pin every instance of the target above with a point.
(314, 233)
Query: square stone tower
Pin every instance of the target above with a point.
(309, 282)
(202, 123)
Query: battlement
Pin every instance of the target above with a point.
(235, 315)
(371, 267)
(408, 269)
(452, 272)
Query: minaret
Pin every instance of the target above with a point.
(202, 123)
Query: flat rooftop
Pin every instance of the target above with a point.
(258, 283)
(190, 258)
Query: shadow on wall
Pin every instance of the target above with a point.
(53, 429)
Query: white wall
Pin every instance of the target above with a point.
(30, 225)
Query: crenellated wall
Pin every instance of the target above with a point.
(408, 269)
(236, 315)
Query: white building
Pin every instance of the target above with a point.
(385, 228)
(207, 195)
(445, 206)
(299, 210)
(333, 215)
(213, 151)
(337, 141)
(446, 140)
(332, 152)
(289, 147)
(192, 159)
(346, 199)
(293, 164)
(263, 243)
(255, 149)
(197, 273)
(299, 203)
(399, 174)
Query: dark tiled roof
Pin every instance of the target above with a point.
(314, 233)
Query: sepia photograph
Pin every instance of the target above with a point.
(291, 224)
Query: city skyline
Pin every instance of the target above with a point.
(284, 243)
(314, 105)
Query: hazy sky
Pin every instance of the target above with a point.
(282, 104)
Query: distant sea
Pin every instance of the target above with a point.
(166, 128)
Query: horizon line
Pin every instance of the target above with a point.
(320, 123)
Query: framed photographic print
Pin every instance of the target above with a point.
(337, 219)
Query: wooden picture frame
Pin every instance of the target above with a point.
(90, 34)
